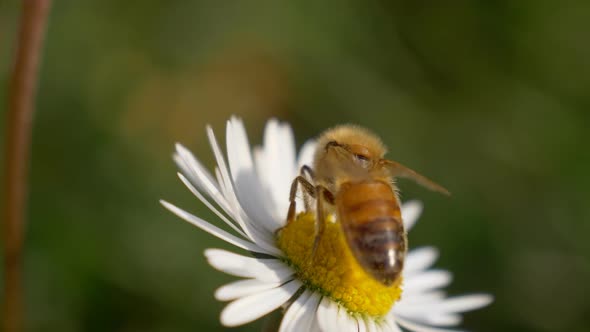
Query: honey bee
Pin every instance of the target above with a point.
(350, 178)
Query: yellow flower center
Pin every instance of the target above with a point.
(333, 271)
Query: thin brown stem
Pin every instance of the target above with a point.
(21, 100)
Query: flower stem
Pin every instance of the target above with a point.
(21, 96)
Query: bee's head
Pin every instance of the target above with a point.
(348, 148)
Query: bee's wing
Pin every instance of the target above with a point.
(398, 170)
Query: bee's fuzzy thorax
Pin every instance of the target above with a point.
(331, 169)
(353, 134)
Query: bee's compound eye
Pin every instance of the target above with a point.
(362, 160)
(361, 157)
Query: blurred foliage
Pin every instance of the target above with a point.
(489, 98)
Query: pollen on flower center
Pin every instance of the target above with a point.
(332, 270)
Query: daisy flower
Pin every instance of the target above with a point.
(249, 192)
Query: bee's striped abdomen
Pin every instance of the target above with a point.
(370, 216)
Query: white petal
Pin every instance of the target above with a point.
(370, 325)
(352, 321)
(346, 321)
(243, 288)
(288, 154)
(279, 148)
(306, 319)
(410, 212)
(275, 163)
(261, 237)
(443, 319)
(226, 198)
(389, 325)
(362, 325)
(252, 307)
(210, 206)
(269, 270)
(213, 230)
(421, 313)
(294, 312)
(223, 176)
(416, 327)
(191, 166)
(421, 298)
(231, 205)
(264, 169)
(306, 154)
(420, 259)
(253, 199)
(328, 317)
(268, 156)
(459, 303)
(198, 175)
(427, 280)
(315, 324)
(222, 187)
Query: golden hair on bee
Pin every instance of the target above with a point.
(351, 178)
(332, 164)
(353, 153)
(353, 134)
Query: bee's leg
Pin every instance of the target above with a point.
(323, 195)
(307, 172)
(308, 190)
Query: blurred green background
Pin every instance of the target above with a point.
(490, 98)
